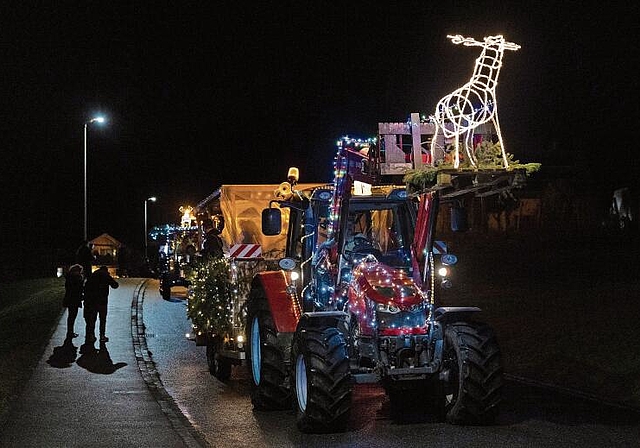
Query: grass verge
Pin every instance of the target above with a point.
(565, 312)
(29, 311)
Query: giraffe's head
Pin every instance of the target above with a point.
(489, 41)
(494, 40)
(499, 41)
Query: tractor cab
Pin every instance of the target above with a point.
(380, 225)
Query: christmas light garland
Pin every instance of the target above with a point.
(168, 230)
(219, 289)
(209, 306)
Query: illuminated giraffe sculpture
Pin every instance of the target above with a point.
(474, 103)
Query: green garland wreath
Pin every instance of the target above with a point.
(488, 155)
(209, 306)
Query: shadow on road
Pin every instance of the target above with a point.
(64, 355)
(97, 361)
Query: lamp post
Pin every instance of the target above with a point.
(152, 199)
(98, 119)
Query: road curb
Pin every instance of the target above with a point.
(183, 427)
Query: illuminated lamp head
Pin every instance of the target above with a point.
(293, 175)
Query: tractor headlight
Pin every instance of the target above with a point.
(443, 271)
(417, 307)
(388, 308)
(292, 287)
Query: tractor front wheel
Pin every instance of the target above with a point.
(471, 375)
(321, 380)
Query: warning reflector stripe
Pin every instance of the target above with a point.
(245, 251)
(440, 247)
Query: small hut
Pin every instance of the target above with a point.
(105, 250)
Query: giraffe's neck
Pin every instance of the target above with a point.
(487, 68)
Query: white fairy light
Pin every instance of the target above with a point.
(460, 107)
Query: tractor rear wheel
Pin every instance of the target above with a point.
(321, 380)
(269, 386)
(219, 366)
(471, 375)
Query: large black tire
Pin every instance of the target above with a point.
(165, 290)
(266, 359)
(219, 366)
(472, 372)
(321, 380)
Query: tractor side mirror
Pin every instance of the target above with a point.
(459, 219)
(271, 221)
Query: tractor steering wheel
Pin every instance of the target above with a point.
(360, 245)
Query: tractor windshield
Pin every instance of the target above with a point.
(381, 228)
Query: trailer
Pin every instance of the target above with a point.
(247, 251)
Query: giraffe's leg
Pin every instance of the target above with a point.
(496, 125)
(468, 145)
(466, 120)
(456, 158)
(433, 141)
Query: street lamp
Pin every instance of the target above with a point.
(98, 119)
(152, 199)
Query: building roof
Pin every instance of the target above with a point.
(106, 240)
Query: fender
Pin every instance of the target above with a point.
(283, 306)
(455, 313)
(335, 319)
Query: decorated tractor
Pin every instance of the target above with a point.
(177, 247)
(356, 298)
(356, 301)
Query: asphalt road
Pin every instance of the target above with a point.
(531, 416)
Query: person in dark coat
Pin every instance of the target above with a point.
(213, 245)
(96, 298)
(84, 257)
(73, 287)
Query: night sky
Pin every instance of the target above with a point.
(202, 96)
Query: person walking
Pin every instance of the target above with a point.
(96, 298)
(73, 288)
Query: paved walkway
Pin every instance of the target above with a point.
(112, 397)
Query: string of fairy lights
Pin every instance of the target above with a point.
(211, 293)
(219, 287)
